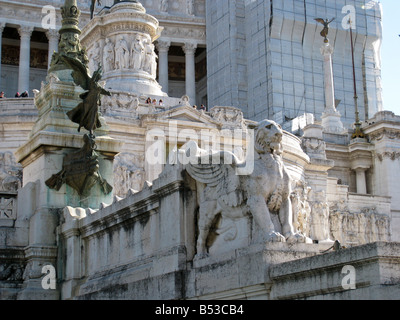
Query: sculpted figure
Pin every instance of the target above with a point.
(86, 113)
(93, 3)
(150, 59)
(153, 62)
(108, 56)
(94, 57)
(164, 6)
(121, 54)
(325, 31)
(190, 7)
(137, 54)
(264, 194)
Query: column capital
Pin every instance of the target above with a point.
(52, 34)
(163, 45)
(2, 26)
(189, 47)
(327, 49)
(25, 31)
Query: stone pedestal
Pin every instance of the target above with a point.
(121, 39)
(53, 138)
(316, 174)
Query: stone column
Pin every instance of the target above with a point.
(163, 48)
(327, 51)
(2, 26)
(25, 33)
(361, 161)
(331, 117)
(361, 181)
(53, 36)
(190, 49)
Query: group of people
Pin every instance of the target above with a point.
(25, 94)
(154, 101)
(202, 108)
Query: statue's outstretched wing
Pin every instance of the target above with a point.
(218, 172)
(79, 73)
(320, 20)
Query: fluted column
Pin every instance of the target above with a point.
(190, 50)
(163, 48)
(2, 26)
(25, 33)
(53, 37)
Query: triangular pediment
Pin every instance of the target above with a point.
(190, 115)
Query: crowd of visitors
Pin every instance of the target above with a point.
(24, 94)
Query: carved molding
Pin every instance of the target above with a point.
(385, 133)
(388, 155)
(184, 33)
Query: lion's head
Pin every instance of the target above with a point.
(268, 137)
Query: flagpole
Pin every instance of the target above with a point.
(358, 133)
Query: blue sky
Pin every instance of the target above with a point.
(391, 55)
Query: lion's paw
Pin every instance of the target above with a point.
(296, 237)
(275, 237)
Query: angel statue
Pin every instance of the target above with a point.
(325, 31)
(92, 7)
(86, 114)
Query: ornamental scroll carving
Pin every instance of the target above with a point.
(379, 135)
(388, 155)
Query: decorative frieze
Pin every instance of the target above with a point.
(355, 228)
(384, 133)
(388, 155)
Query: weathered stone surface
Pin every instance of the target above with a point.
(376, 274)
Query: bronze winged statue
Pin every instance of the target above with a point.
(86, 114)
(92, 7)
(325, 23)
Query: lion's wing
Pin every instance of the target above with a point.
(220, 177)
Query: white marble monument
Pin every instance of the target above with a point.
(121, 39)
